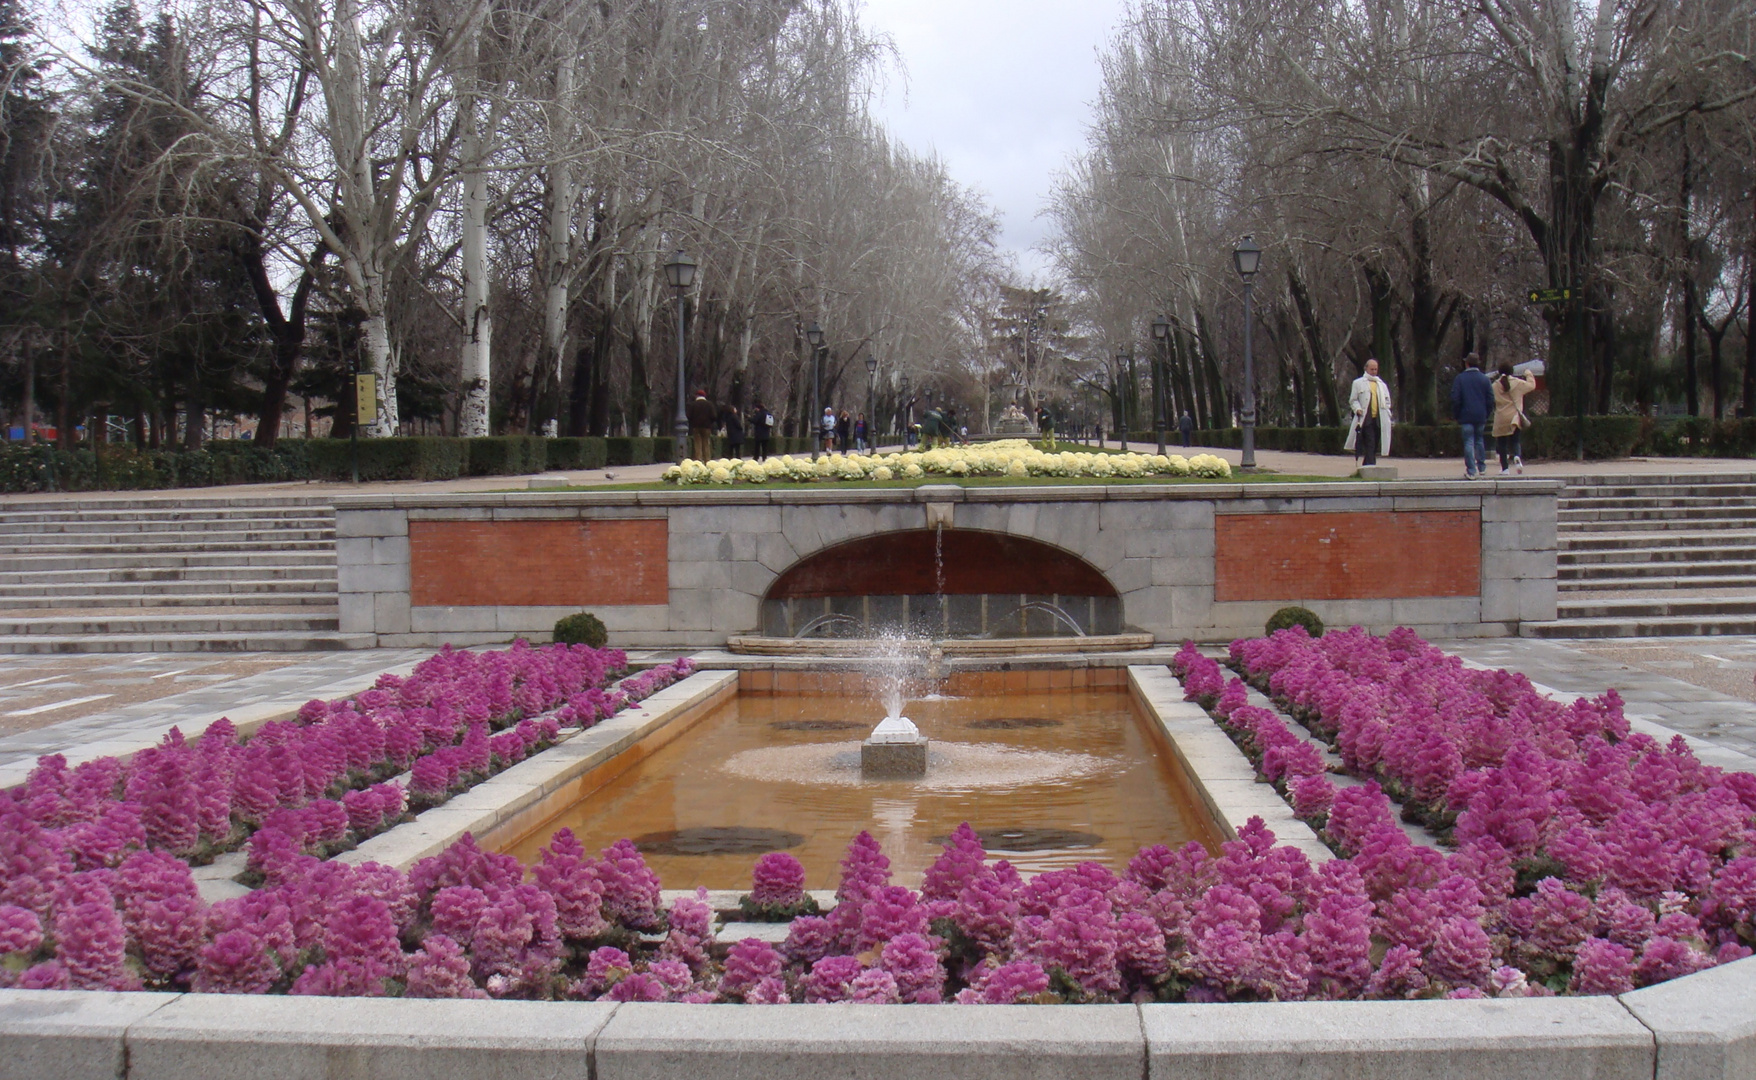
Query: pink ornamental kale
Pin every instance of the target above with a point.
(1011, 983)
(778, 881)
(21, 932)
(831, 978)
(631, 889)
(747, 965)
(913, 961)
(441, 970)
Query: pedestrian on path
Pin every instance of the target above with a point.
(1369, 401)
(761, 429)
(734, 429)
(702, 416)
(1509, 418)
(828, 428)
(1186, 425)
(1472, 406)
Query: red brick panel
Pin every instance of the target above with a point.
(1369, 555)
(539, 563)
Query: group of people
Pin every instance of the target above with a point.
(705, 418)
(1482, 406)
(842, 432)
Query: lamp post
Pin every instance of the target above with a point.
(1122, 396)
(871, 402)
(680, 272)
(1247, 259)
(814, 335)
(1161, 335)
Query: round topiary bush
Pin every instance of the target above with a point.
(585, 629)
(1285, 617)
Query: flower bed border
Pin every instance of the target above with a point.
(1702, 1025)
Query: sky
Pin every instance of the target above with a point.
(1001, 90)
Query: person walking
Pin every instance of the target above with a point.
(1509, 418)
(1186, 427)
(1046, 426)
(761, 429)
(844, 430)
(828, 428)
(733, 425)
(701, 415)
(1472, 406)
(860, 433)
(1369, 401)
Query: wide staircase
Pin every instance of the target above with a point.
(1655, 556)
(171, 574)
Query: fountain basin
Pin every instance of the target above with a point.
(759, 645)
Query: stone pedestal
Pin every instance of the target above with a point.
(894, 760)
(896, 750)
(1377, 472)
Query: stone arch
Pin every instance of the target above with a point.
(993, 583)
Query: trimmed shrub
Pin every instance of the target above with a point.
(1293, 615)
(628, 450)
(417, 458)
(576, 453)
(581, 629)
(507, 455)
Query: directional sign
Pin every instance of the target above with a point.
(366, 399)
(1550, 296)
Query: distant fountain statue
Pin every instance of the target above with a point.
(896, 749)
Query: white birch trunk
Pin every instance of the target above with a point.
(563, 192)
(476, 371)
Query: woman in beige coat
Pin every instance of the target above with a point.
(1509, 391)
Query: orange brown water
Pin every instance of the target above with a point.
(1070, 773)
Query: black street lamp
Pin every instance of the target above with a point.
(1123, 364)
(1161, 335)
(680, 272)
(814, 335)
(871, 402)
(1247, 258)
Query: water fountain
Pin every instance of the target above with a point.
(896, 749)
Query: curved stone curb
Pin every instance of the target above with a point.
(1705, 1023)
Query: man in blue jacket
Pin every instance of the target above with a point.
(1472, 406)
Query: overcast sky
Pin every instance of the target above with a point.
(1001, 89)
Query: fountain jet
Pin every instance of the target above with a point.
(896, 749)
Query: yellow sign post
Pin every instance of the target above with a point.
(366, 407)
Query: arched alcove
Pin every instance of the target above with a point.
(992, 584)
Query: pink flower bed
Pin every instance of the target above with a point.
(1595, 858)
(73, 840)
(1587, 859)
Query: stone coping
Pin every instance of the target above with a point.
(929, 493)
(1218, 772)
(1699, 1027)
(869, 648)
(536, 788)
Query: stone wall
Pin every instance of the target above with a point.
(1157, 545)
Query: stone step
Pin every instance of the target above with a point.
(181, 523)
(1658, 513)
(1650, 480)
(1655, 541)
(255, 641)
(181, 598)
(236, 500)
(1742, 583)
(32, 564)
(218, 542)
(1654, 525)
(1621, 627)
(39, 589)
(1567, 570)
(1658, 607)
(204, 622)
(170, 576)
(1651, 503)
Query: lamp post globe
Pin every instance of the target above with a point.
(680, 273)
(1247, 260)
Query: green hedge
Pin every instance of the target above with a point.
(426, 457)
(507, 455)
(576, 453)
(1699, 437)
(1606, 438)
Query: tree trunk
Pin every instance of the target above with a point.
(1750, 318)
(560, 191)
(286, 332)
(1423, 323)
(475, 370)
(1322, 364)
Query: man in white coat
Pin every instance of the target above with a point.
(1370, 402)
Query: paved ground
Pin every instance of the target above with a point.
(1699, 686)
(1705, 687)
